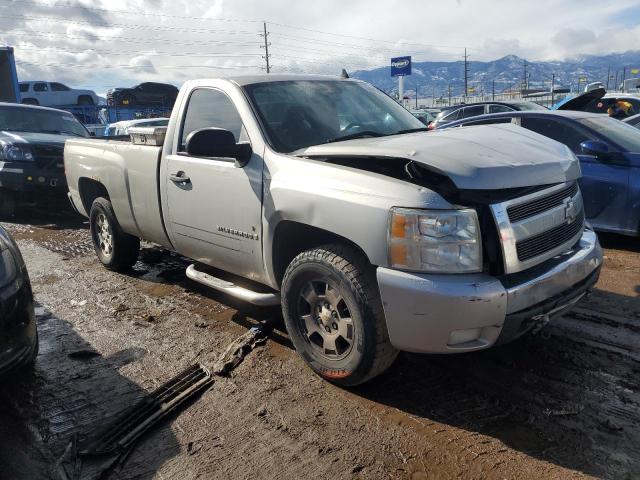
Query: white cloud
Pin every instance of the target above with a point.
(97, 46)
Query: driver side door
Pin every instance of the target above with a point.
(214, 207)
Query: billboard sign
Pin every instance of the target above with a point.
(400, 66)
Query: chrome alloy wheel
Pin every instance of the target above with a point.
(104, 235)
(325, 319)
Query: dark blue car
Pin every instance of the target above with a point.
(609, 153)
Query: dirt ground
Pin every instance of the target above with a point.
(564, 403)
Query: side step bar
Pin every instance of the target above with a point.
(256, 298)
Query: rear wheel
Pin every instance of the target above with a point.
(333, 313)
(116, 249)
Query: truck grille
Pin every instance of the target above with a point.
(49, 157)
(526, 210)
(543, 242)
(539, 226)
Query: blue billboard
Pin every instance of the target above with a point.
(400, 66)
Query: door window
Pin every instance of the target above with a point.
(562, 132)
(472, 111)
(211, 108)
(499, 109)
(58, 87)
(24, 87)
(40, 87)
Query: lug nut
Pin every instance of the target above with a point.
(328, 329)
(334, 325)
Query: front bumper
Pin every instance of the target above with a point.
(28, 177)
(18, 333)
(459, 313)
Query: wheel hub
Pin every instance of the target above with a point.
(104, 236)
(328, 325)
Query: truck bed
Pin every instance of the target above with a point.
(129, 173)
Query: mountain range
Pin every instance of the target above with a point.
(506, 73)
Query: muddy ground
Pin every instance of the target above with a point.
(564, 403)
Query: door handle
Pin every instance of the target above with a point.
(179, 177)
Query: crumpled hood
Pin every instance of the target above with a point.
(487, 157)
(34, 138)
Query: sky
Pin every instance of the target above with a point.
(101, 44)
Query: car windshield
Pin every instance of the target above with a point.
(22, 119)
(300, 113)
(624, 135)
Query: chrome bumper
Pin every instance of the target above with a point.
(457, 313)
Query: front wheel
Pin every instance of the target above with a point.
(116, 249)
(333, 313)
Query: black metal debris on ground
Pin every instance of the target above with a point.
(94, 456)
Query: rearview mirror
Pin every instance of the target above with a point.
(217, 143)
(596, 148)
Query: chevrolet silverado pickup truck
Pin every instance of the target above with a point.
(328, 198)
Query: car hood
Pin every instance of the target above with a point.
(580, 102)
(487, 157)
(34, 138)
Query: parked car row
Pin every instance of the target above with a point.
(396, 216)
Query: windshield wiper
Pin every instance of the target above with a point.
(353, 136)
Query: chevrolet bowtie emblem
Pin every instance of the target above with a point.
(570, 211)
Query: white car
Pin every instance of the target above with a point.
(122, 128)
(54, 94)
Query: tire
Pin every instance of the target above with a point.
(333, 313)
(117, 250)
(85, 100)
(7, 204)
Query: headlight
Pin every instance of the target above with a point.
(15, 153)
(436, 241)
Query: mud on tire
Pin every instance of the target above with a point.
(333, 313)
(116, 249)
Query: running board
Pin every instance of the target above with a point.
(230, 288)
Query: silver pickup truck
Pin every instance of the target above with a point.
(327, 197)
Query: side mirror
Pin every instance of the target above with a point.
(596, 148)
(217, 143)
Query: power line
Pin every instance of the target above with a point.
(131, 25)
(142, 53)
(137, 40)
(127, 66)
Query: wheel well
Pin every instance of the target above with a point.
(293, 238)
(90, 190)
(88, 97)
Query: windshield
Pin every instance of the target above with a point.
(619, 132)
(20, 119)
(299, 113)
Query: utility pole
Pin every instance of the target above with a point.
(615, 87)
(266, 46)
(608, 75)
(525, 78)
(416, 94)
(449, 93)
(624, 76)
(553, 88)
(466, 74)
(493, 90)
